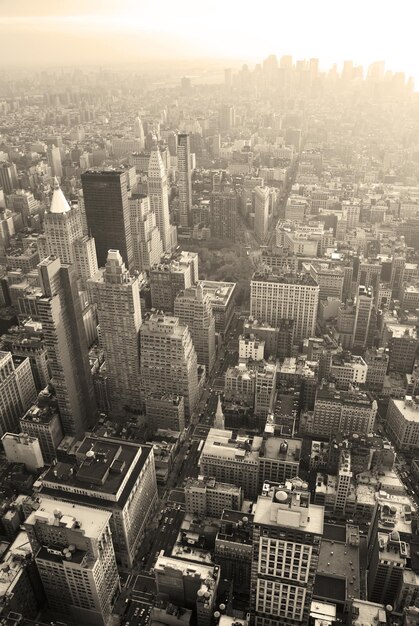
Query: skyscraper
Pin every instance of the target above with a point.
(363, 309)
(289, 296)
(63, 237)
(287, 533)
(54, 161)
(159, 195)
(194, 310)
(8, 177)
(146, 239)
(168, 360)
(185, 179)
(223, 215)
(65, 340)
(261, 212)
(117, 296)
(139, 131)
(17, 390)
(106, 205)
(75, 558)
(116, 463)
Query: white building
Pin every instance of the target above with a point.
(22, 448)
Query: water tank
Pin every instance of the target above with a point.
(281, 496)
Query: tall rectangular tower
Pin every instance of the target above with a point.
(158, 192)
(65, 340)
(117, 296)
(74, 554)
(185, 179)
(17, 390)
(287, 534)
(106, 205)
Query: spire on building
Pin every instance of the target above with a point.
(59, 203)
(219, 415)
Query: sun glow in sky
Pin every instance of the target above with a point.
(100, 31)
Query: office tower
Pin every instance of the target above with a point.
(27, 341)
(184, 179)
(287, 532)
(63, 237)
(344, 482)
(402, 347)
(219, 421)
(74, 554)
(350, 212)
(65, 340)
(8, 177)
(377, 361)
(403, 423)
(329, 279)
(43, 422)
(17, 390)
(139, 131)
(172, 275)
(54, 161)
(21, 448)
(168, 360)
(146, 239)
(289, 296)
(189, 584)
(158, 193)
(343, 411)
(279, 459)
(389, 560)
(396, 279)
(223, 215)
(111, 474)
(165, 411)
(193, 308)
(24, 203)
(265, 386)
(363, 310)
(117, 296)
(107, 211)
(226, 117)
(207, 497)
(222, 301)
(261, 212)
(232, 459)
(233, 550)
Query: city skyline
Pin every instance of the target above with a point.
(85, 34)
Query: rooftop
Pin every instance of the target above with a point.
(219, 291)
(286, 278)
(205, 482)
(409, 408)
(39, 415)
(102, 467)
(231, 446)
(282, 449)
(90, 521)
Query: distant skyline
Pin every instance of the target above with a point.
(104, 31)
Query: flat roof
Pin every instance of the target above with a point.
(409, 408)
(265, 506)
(92, 521)
(233, 447)
(103, 464)
(282, 449)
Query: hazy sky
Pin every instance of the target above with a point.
(99, 31)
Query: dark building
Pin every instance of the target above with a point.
(108, 213)
(223, 215)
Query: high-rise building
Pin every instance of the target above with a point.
(189, 584)
(194, 310)
(139, 131)
(287, 532)
(17, 390)
(232, 459)
(265, 386)
(233, 550)
(343, 482)
(75, 557)
(363, 310)
(402, 344)
(223, 215)
(117, 296)
(27, 341)
(8, 177)
(65, 339)
(54, 161)
(185, 179)
(261, 212)
(403, 423)
(146, 239)
(63, 237)
(171, 276)
(288, 296)
(165, 411)
(158, 193)
(168, 360)
(106, 205)
(44, 424)
(115, 475)
(21, 448)
(343, 411)
(207, 497)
